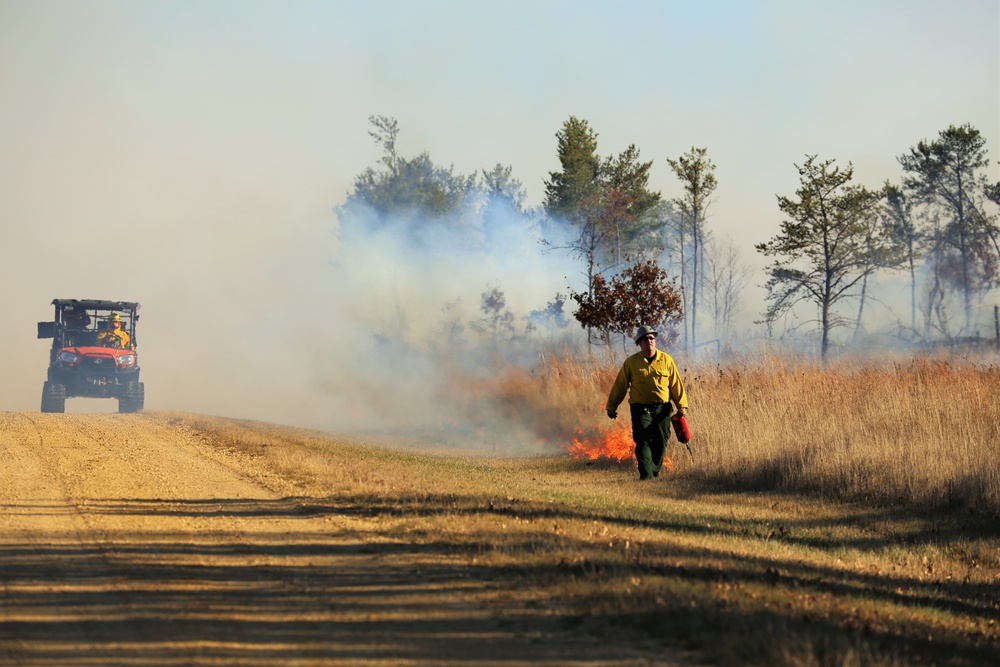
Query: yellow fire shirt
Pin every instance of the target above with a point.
(656, 381)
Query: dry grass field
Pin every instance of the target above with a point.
(923, 432)
(839, 516)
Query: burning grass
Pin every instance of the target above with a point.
(923, 430)
(614, 443)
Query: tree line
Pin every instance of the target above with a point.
(647, 259)
(836, 234)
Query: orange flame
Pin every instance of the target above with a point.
(614, 444)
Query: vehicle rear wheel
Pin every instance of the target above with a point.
(134, 398)
(53, 397)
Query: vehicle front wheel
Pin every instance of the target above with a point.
(134, 398)
(53, 397)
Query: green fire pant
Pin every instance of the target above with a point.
(650, 430)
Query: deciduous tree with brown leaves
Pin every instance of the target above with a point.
(642, 293)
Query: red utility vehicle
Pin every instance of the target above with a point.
(84, 363)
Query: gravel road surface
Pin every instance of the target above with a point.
(128, 539)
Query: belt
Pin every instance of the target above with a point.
(649, 407)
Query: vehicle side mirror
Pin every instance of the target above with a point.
(46, 329)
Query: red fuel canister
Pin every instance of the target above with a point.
(681, 429)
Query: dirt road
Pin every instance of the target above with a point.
(126, 539)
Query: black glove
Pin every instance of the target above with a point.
(612, 414)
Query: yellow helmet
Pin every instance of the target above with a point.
(115, 317)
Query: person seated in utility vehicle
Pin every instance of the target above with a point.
(114, 336)
(76, 318)
(77, 321)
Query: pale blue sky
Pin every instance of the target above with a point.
(219, 135)
(288, 86)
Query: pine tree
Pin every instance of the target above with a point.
(944, 176)
(827, 246)
(696, 172)
(567, 190)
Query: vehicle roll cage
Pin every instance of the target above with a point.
(94, 313)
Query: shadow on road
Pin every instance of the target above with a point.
(271, 597)
(325, 584)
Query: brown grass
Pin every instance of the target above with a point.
(923, 431)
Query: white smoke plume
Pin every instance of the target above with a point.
(410, 300)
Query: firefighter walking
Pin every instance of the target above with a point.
(652, 381)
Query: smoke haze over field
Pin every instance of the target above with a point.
(190, 156)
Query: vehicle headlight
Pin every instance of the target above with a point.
(68, 357)
(126, 359)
